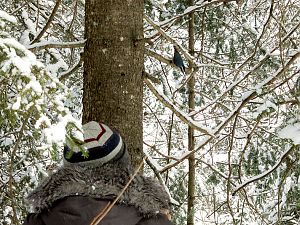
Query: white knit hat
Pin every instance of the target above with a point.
(101, 145)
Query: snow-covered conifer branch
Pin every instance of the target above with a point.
(199, 5)
(266, 173)
(251, 71)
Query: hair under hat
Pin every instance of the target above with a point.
(101, 143)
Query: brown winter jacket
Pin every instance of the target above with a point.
(75, 195)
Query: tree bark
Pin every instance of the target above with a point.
(113, 65)
(191, 139)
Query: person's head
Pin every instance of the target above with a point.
(101, 145)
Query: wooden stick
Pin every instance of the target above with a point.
(109, 206)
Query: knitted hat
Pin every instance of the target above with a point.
(101, 145)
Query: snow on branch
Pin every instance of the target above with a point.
(266, 173)
(53, 44)
(184, 81)
(181, 115)
(249, 95)
(155, 167)
(245, 99)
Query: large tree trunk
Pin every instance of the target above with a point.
(113, 64)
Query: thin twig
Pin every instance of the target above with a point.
(11, 167)
(183, 117)
(74, 16)
(160, 153)
(70, 71)
(99, 217)
(246, 99)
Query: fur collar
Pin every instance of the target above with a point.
(104, 182)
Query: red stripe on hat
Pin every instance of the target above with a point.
(98, 137)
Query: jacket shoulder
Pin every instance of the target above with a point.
(33, 219)
(159, 219)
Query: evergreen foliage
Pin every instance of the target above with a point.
(32, 121)
(246, 67)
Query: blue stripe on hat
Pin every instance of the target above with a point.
(95, 153)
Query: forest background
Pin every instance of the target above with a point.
(234, 113)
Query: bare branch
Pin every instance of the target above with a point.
(66, 74)
(246, 99)
(182, 116)
(38, 37)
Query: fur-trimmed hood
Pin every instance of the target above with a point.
(104, 182)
